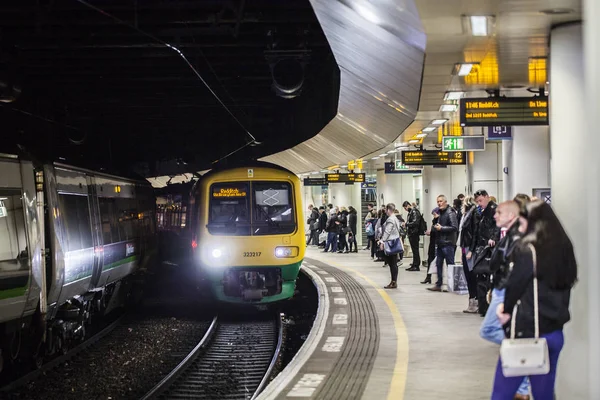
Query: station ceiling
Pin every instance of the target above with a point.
(124, 85)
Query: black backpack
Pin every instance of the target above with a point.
(422, 225)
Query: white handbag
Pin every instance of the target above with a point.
(528, 356)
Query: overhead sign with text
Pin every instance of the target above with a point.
(315, 182)
(463, 143)
(508, 111)
(399, 168)
(343, 178)
(433, 157)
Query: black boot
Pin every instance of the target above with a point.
(427, 279)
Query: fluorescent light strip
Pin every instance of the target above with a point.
(453, 95)
(429, 129)
(391, 151)
(438, 121)
(383, 155)
(448, 108)
(414, 141)
(464, 69)
(479, 25)
(421, 135)
(375, 158)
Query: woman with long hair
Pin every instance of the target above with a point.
(553, 258)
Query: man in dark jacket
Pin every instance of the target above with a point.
(447, 234)
(313, 223)
(413, 224)
(332, 232)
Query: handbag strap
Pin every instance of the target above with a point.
(536, 315)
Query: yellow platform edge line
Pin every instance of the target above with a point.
(398, 383)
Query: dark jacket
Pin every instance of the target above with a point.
(413, 222)
(331, 224)
(500, 259)
(352, 219)
(553, 303)
(468, 228)
(313, 220)
(343, 218)
(449, 233)
(485, 228)
(322, 221)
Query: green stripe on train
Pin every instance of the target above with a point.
(106, 267)
(14, 292)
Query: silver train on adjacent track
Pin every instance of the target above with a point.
(71, 243)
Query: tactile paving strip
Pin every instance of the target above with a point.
(353, 368)
(342, 363)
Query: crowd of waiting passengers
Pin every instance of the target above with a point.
(518, 262)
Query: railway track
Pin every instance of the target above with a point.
(234, 360)
(54, 363)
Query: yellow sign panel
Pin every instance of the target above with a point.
(229, 192)
(504, 111)
(428, 157)
(359, 164)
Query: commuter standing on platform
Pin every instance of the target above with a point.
(370, 219)
(313, 224)
(485, 237)
(507, 216)
(352, 219)
(413, 225)
(390, 231)
(447, 231)
(465, 239)
(431, 248)
(543, 273)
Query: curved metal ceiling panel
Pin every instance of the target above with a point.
(379, 47)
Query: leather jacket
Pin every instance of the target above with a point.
(448, 235)
(485, 228)
(553, 303)
(500, 259)
(413, 222)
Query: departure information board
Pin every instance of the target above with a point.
(509, 111)
(434, 157)
(342, 178)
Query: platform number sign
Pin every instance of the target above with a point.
(499, 133)
(250, 173)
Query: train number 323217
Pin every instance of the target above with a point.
(252, 254)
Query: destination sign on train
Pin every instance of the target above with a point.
(434, 157)
(342, 178)
(508, 111)
(229, 192)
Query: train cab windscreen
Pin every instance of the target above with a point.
(251, 208)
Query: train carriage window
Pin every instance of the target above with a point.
(76, 221)
(14, 257)
(108, 217)
(272, 208)
(229, 212)
(127, 215)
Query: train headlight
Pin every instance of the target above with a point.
(217, 253)
(286, 252)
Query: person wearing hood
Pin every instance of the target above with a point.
(332, 230)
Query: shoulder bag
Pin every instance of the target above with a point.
(393, 246)
(527, 356)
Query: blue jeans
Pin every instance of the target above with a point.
(332, 239)
(492, 331)
(444, 252)
(542, 386)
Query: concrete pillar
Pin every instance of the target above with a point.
(486, 170)
(450, 181)
(531, 153)
(508, 173)
(575, 166)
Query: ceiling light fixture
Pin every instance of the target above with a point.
(557, 11)
(439, 121)
(343, 166)
(391, 151)
(429, 129)
(453, 95)
(463, 69)
(399, 145)
(383, 155)
(413, 141)
(448, 107)
(375, 158)
(421, 135)
(479, 25)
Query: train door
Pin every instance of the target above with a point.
(98, 259)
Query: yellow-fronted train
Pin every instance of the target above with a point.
(246, 232)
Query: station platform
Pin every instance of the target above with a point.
(371, 343)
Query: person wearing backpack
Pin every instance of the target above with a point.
(413, 231)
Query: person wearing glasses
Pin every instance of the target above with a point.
(447, 232)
